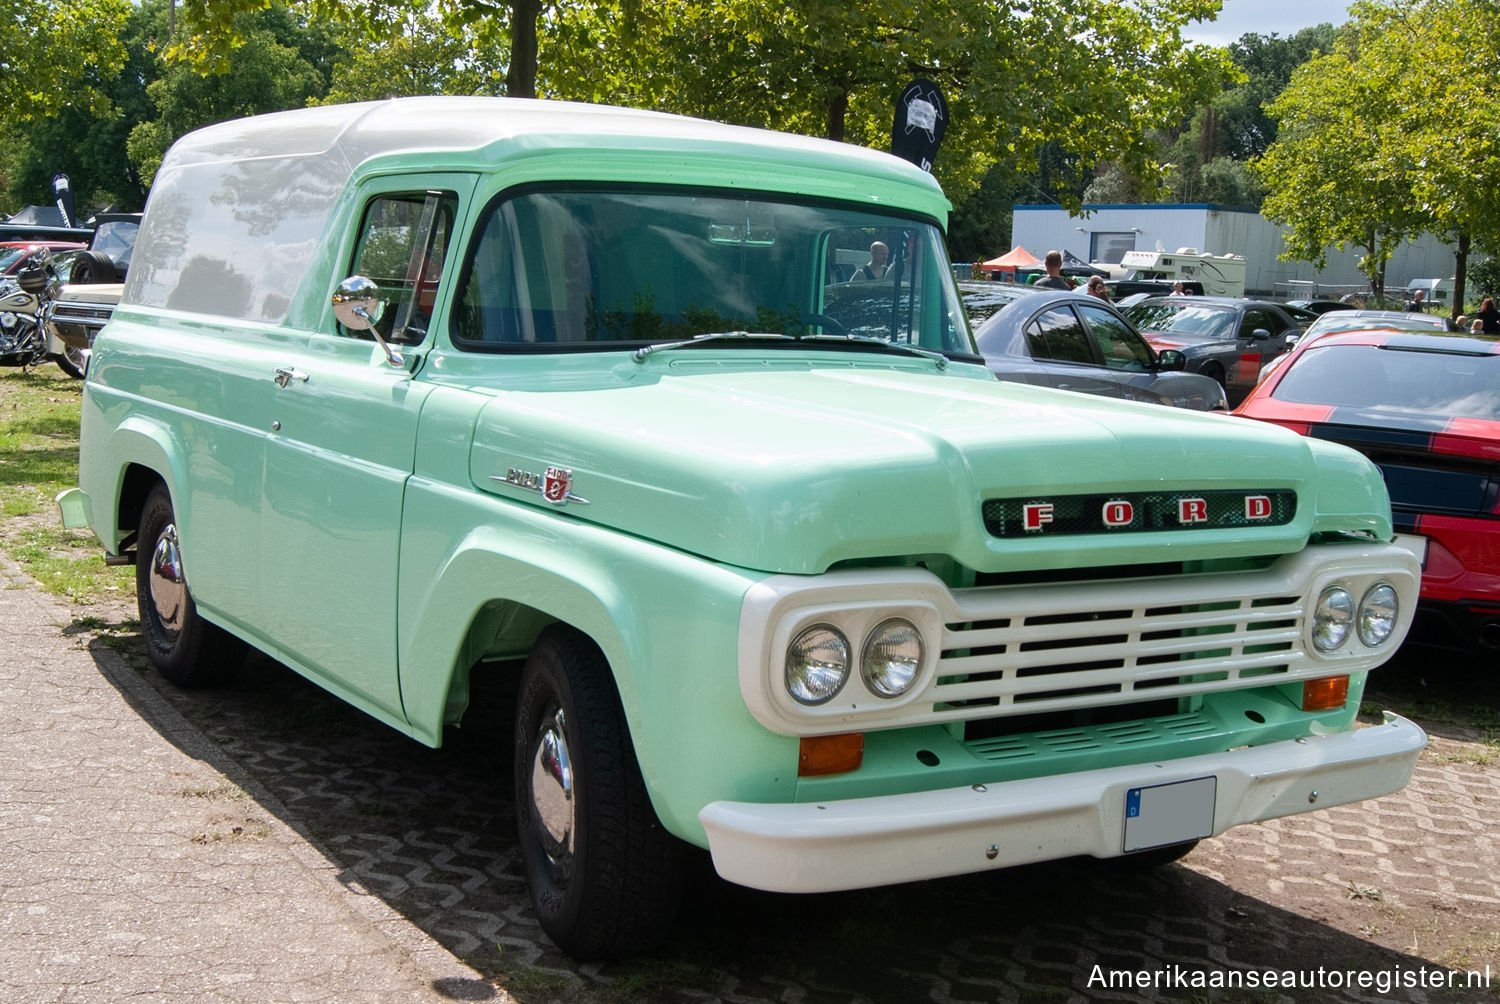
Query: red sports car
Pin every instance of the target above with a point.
(14, 255)
(1425, 407)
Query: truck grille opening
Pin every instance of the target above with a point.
(1058, 721)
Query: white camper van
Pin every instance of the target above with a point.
(1220, 275)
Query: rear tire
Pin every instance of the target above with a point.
(183, 647)
(605, 876)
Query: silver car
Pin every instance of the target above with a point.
(1071, 341)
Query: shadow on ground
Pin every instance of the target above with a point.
(431, 833)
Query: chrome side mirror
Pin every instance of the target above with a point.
(357, 306)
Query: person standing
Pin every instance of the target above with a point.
(1489, 315)
(1052, 262)
(1417, 304)
(1097, 288)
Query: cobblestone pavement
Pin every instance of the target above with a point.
(1402, 887)
(132, 867)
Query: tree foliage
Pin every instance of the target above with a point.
(54, 53)
(1085, 79)
(1396, 131)
(86, 140)
(282, 62)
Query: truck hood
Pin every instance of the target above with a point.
(797, 469)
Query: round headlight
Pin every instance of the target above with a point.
(817, 664)
(891, 658)
(1332, 618)
(1377, 614)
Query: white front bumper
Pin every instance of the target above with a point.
(861, 842)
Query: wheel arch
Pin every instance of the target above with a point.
(666, 623)
(143, 454)
(464, 620)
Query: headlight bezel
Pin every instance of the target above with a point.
(858, 622)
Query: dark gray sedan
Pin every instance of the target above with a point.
(1227, 338)
(1072, 341)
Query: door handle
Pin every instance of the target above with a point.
(286, 374)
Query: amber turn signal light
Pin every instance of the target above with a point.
(830, 754)
(1325, 694)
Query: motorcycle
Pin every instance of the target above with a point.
(23, 333)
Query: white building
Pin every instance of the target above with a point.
(1105, 232)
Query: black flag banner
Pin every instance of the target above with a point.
(921, 120)
(62, 194)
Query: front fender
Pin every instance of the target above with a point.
(666, 621)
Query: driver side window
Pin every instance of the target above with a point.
(403, 243)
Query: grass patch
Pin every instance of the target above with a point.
(39, 458)
(66, 563)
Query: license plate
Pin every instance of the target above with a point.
(1173, 813)
(1414, 543)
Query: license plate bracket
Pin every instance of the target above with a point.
(1159, 815)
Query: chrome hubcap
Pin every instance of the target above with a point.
(168, 589)
(552, 793)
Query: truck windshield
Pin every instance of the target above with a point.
(561, 270)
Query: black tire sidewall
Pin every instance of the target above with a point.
(68, 366)
(167, 655)
(202, 654)
(626, 879)
(544, 685)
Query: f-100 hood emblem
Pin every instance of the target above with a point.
(556, 485)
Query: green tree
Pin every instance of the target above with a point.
(1084, 79)
(1395, 132)
(425, 58)
(87, 142)
(282, 62)
(53, 53)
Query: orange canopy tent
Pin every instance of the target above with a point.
(1016, 258)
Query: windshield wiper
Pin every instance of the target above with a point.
(937, 357)
(940, 360)
(640, 354)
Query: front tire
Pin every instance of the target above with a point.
(605, 877)
(183, 647)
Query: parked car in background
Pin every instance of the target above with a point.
(16, 255)
(1359, 320)
(1121, 288)
(1226, 338)
(1320, 307)
(1425, 407)
(96, 279)
(1073, 341)
(108, 256)
(1356, 320)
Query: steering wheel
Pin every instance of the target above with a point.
(830, 324)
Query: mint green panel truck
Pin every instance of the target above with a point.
(598, 400)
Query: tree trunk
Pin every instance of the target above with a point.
(838, 108)
(1460, 273)
(520, 79)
